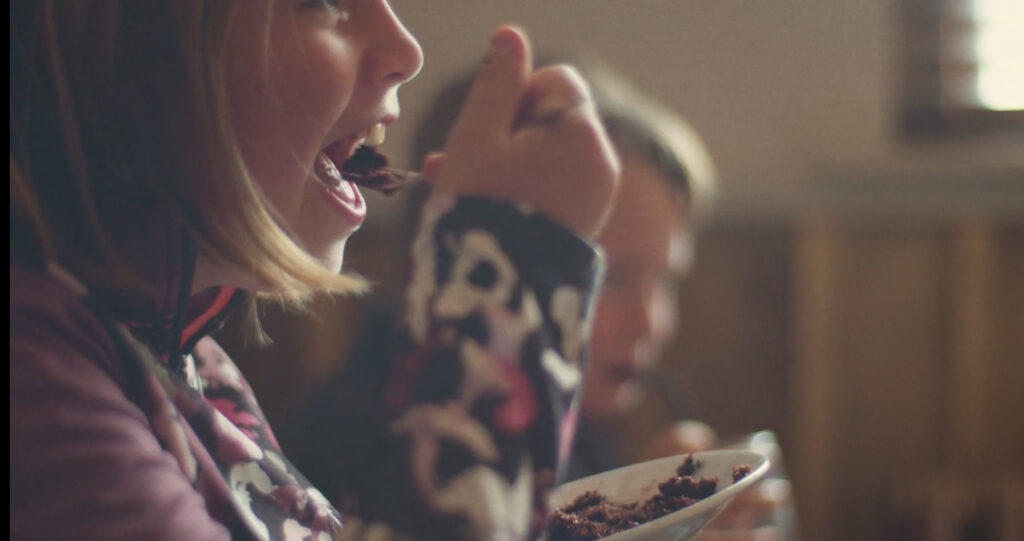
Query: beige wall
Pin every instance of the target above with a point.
(786, 92)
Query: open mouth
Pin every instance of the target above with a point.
(327, 172)
(366, 166)
(341, 191)
(356, 161)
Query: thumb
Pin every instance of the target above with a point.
(493, 100)
(431, 166)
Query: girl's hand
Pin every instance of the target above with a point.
(530, 137)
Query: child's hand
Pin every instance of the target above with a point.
(530, 137)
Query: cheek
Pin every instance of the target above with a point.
(663, 316)
(312, 103)
(314, 79)
(604, 327)
(265, 137)
(282, 124)
(606, 338)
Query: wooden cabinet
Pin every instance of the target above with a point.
(885, 347)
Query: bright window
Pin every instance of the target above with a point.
(999, 52)
(963, 66)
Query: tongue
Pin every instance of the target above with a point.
(327, 172)
(347, 191)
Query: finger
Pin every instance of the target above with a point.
(549, 92)
(494, 97)
(581, 126)
(431, 166)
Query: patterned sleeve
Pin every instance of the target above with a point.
(481, 394)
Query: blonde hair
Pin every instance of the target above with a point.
(124, 101)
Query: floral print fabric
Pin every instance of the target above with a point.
(482, 387)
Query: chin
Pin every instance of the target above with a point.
(610, 402)
(331, 258)
(628, 397)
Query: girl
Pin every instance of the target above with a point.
(170, 159)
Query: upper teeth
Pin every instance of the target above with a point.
(376, 135)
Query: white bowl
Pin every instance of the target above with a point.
(638, 482)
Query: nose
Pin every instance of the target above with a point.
(638, 327)
(394, 55)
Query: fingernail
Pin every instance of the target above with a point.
(501, 42)
(550, 108)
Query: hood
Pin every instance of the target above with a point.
(154, 243)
